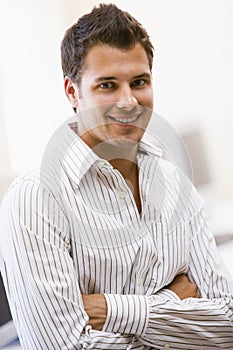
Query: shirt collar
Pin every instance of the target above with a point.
(76, 157)
(148, 145)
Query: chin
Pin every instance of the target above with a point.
(128, 141)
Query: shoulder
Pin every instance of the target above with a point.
(21, 183)
(28, 193)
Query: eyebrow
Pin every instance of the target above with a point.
(104, 79)
(143, 75)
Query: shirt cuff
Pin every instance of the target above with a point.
(127, 314)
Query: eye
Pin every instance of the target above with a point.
(106, 85)
(138, 83)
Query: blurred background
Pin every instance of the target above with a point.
(193, 85)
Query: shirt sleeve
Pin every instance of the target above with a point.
(165, 321)
(39, 276)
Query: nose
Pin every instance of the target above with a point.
(126, 99)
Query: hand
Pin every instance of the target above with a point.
(183, 287)
(96, 307)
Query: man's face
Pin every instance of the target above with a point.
(115, 88)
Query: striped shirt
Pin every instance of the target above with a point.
(73, 228)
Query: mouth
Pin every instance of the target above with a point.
(125, 121)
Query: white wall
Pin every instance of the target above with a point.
(31, 79)
(193, 73)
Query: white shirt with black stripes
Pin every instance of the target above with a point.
(73, 228)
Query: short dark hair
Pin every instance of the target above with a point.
(105, 24)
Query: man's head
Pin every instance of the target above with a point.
(107, 60)
(105, 24)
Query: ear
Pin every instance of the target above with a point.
(71, 91)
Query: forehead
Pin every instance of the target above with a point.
(103, 59)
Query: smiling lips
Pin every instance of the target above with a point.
(125, 121)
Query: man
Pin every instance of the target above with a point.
(108, 246)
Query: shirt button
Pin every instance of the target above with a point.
(139, 281)
(122, 194)
(102, 163)
(166, 346)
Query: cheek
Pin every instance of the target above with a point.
(105, 99)
(146, 98)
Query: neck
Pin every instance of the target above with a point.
(124, 166)
(122, 156)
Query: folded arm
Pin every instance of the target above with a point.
(202, 319)
(96, 307)
(49, 310)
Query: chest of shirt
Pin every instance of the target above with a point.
(113, 247)
(155, 256)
